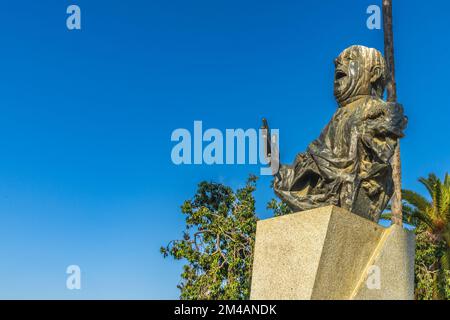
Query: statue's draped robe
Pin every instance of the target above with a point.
(349, 164)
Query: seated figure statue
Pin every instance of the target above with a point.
(349, 164)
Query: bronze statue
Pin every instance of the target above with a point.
(349, 164)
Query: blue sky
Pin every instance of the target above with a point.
(86, 176)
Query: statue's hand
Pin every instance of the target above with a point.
(376, 111)
(396, 119)
(386, 119)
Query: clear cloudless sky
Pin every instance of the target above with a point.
(86, 116)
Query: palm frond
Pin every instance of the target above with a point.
(424, 217)
(445, 206)
(406, 218)
(445, 260)
(407, 209)
(429, 183)
(386, 216)
(437, 201)
(415, 199)
(447, 181)
(446, 237)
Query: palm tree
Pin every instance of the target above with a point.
(435, 215)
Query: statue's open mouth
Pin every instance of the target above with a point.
(340, 74)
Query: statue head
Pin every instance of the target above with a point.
(359, 71)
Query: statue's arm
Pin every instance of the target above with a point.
(386, 119)
(283, 179)
(385, 123)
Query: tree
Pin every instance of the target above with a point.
(217, 243)
(279, 208)
(432, 221)
(431, 282)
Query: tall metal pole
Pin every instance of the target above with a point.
(396, 203)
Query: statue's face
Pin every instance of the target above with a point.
(350, 76)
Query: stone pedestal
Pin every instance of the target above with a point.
(330, 253)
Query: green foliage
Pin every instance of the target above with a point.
(432, 219)
(428, 253)
(279, 208)
(218, 242)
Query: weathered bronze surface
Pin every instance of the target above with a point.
(349, 164)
